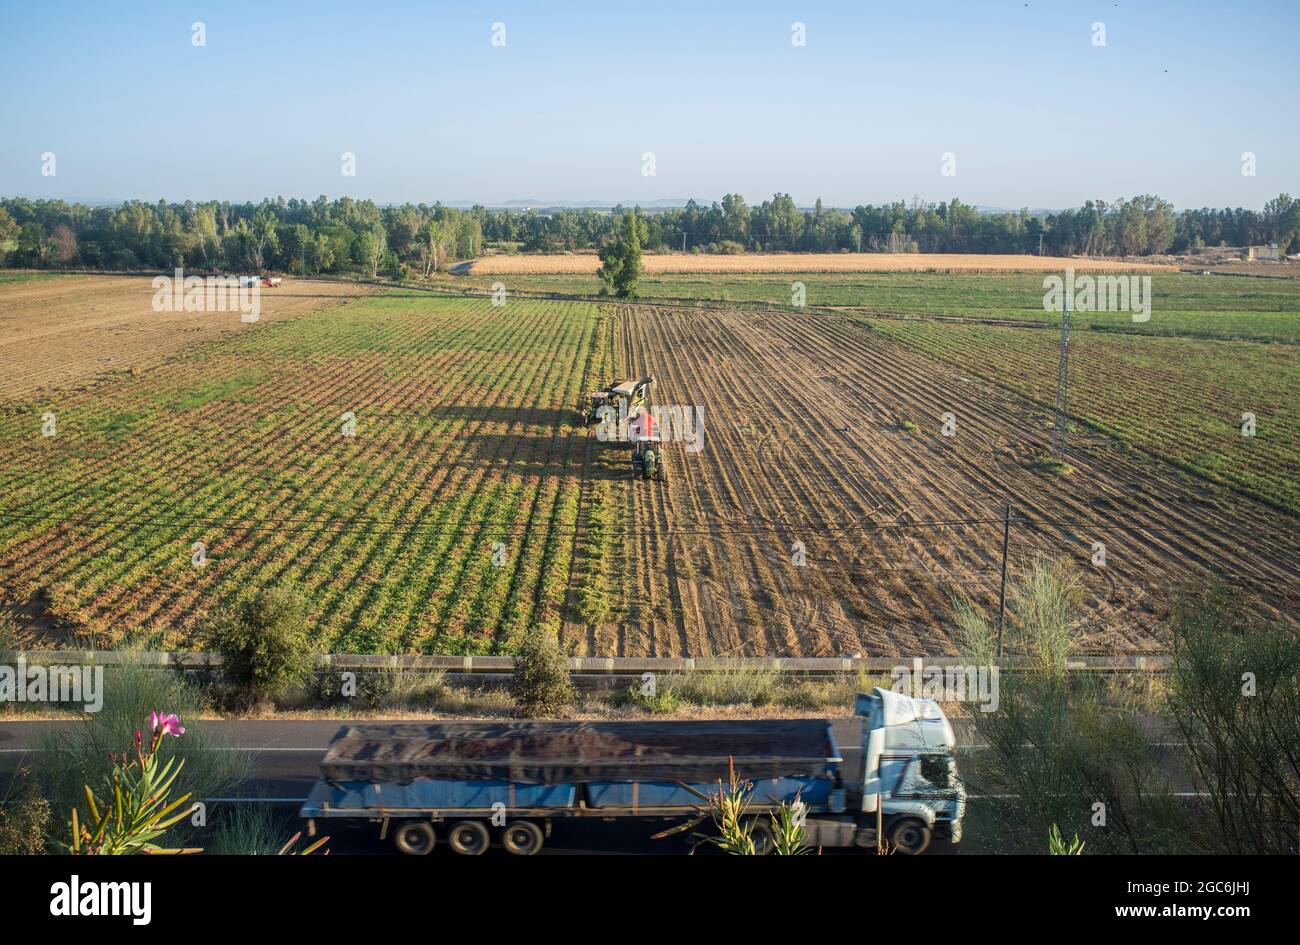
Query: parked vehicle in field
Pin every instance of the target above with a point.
(476, 784)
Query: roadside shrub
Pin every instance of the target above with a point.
(399, 688)
(263, 643)
(24, 817)
(540, 686)
(756, 687)
(1234, 693)
(77, 754)
(662, 701)
(251, 829)
(133, 808)
(1060, 743)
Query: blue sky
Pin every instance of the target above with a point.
(1034, 113)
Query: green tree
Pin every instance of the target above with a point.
(620, 259)
(264, 643)
(540, 685)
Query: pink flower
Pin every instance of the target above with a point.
(169, 724)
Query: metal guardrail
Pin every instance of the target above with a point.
(585, 665)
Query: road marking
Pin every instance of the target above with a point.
(15, 751)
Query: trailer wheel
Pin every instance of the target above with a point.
(415, 837)
(522, 838)
(909, 836)
(468, 837)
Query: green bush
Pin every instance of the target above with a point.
(250, 829)
(540, 686)
(375, 689)
(24, 818)
(263, 643)
(1234, 694)
(662, 701)
(741, 686)
(75, 755)
(1072, 752)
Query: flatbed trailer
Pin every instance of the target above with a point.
(467, 780)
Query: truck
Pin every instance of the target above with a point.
(473, 785)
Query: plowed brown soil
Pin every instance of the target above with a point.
(803, 443)
(61, 332)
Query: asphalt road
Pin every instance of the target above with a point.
(286, 755)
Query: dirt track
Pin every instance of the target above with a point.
(61, 332)
(803, 443)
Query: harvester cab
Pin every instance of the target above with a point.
(614, 406)
(599, 399)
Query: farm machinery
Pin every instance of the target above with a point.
(615, 404)
(623, 416)
(647, 447)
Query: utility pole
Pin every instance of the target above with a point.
(683, 241)
(1040, 244)
(1002, 592)
(1060, 426)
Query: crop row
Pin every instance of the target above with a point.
(411, 463)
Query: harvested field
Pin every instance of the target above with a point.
(822, 432)
(588, 263)
(60, 332)
(818, 429)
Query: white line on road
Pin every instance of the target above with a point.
(21, 751)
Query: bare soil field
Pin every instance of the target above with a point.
(61, 332)
(588, 263)
(824, 432)
(818, 429)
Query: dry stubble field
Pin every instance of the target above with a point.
(809, 438)
(588, 263)
(817, 429)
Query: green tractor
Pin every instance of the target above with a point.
(647, 447)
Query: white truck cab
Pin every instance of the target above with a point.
(909, 775)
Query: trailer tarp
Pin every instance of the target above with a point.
(562, 752)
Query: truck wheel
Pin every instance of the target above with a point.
(415, 838)
(468, 837)
(760, 831)
(522, 838)
(909, 836)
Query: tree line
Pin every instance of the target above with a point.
(347, 235)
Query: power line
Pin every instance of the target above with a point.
(425, 525)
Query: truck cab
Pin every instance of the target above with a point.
(910, 785)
